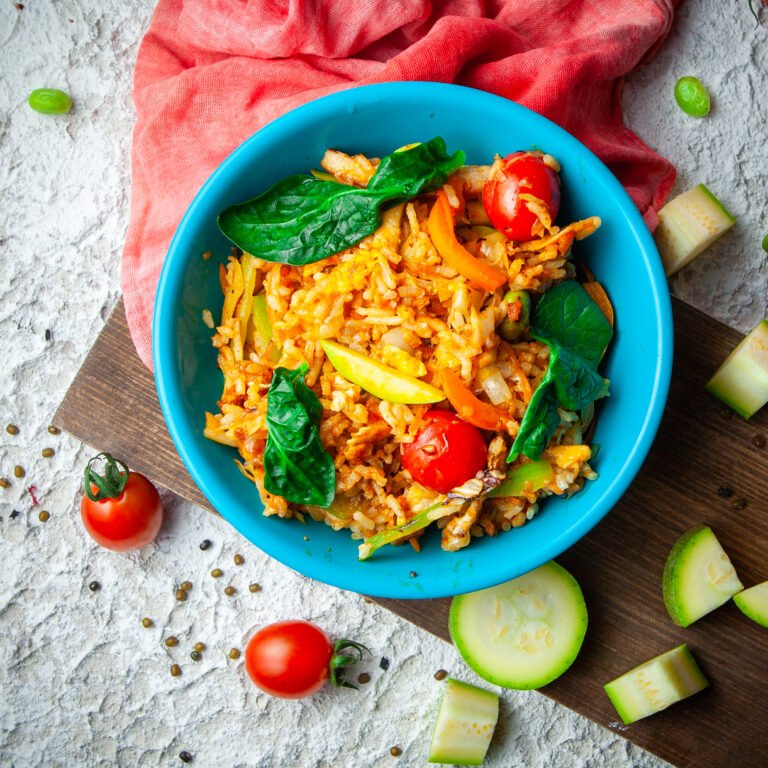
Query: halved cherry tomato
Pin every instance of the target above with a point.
(521, 173)
(121, 510)
(446, 452)
(294, 659)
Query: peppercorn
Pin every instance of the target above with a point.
(229, 590)
(239, 559)
(46, 453)
(217, 573)
(724, 492)
(199, 647)
(185, 757)
(758, 441)
(181, 595)
(94, 586)
(4, 482)
(53, 430)
(395, 751)
(146, 622)
(44, 516)
(234, 653)
(384, 663)
(185, 585)
(413, 574)
(441, 674)
(12, 429)
(19, 471)
(171, 641)
(205, 543)
(175, 670)
(363, 678)
(195, 656)
(254, 587)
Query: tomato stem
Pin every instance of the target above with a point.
(341, 660)
(109, 485)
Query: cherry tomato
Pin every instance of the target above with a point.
(294, 659)
(446, 452)
(128, 520)
(520, 173)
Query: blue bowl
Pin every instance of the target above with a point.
(375, 120)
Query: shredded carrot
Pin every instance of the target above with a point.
(525, 385)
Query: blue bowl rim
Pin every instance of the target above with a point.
(167, 380)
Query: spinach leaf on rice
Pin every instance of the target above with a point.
(296, 466)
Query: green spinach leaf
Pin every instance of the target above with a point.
(302, 219)
(296, 466)
(577, 334)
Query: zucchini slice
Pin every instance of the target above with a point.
(698, 576)
(688, 225)
(656, 684)
(753, 602)
(741, 382)
(524, 633)
(465, 723)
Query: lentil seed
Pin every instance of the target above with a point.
(94, 586)
(12, 429)
(46, 453)
(195, 656)
(254, 587)
(53, 430)
(758, 441)
(146, 622)
(18, 471)
(234, 653)
(363, 678)
(175, 670)
(181, 595)
(441, 674)
(229, 590)
(217, 573)
(739, 503)
(205, 544)
(199, 647)
(5, 482)
(395, 751)
(239, 559)
(724, 492)
(185, 585)
(44, 516)
(185, 757)
(171, 641)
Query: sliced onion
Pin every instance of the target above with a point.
(396, 338)
(493, 383)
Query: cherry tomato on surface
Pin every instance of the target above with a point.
(446, 452)
(294, 659)
(121, 510)
(520, 173)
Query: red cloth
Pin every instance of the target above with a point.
(211, 72)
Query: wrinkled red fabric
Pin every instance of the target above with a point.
(204, 61)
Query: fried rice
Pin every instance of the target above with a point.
(392, 298)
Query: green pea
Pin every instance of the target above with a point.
(50, 101)
(692, 97)
(765, 243)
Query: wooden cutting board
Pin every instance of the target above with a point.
(701, 447)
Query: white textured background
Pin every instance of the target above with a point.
(82, 683)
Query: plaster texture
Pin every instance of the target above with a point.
(82, 683)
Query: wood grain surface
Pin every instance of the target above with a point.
(701, 447)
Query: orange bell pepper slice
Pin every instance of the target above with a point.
(600, 297)
(454, 254)
(470, 408)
